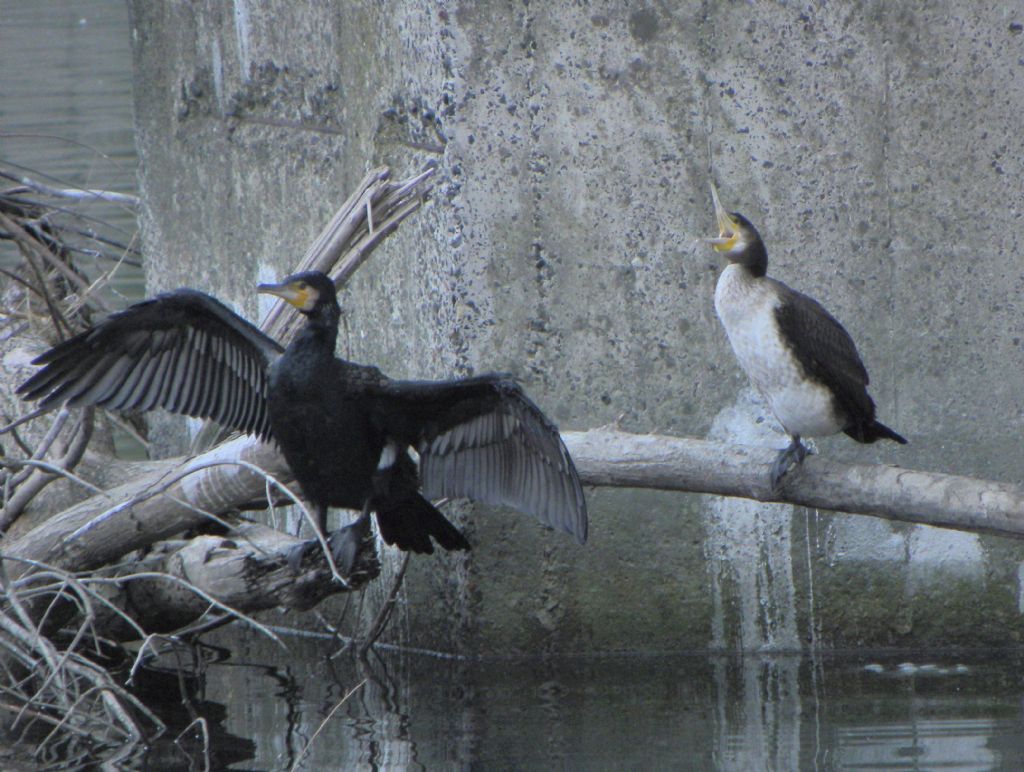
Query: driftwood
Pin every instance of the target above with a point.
(699, 466)
(175, 495)
(180, 493)
(208, 580)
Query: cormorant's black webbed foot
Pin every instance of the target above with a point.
(352, 548)
(347, 542)
(788, 458)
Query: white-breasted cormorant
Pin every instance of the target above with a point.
(345, 429)
(794, 351)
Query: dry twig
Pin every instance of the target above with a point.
(55, 685)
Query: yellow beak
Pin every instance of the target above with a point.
(728, 230)
(300, 298)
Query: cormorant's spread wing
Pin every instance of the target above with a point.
(825, 350)
(183, 351)
(482, 438)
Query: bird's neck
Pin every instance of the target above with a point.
(755, 261)
(321, 330)
(748, 271)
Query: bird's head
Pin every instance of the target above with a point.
(737, 238)
(306, 291)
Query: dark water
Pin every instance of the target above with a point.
(941, 711)
(66, 116)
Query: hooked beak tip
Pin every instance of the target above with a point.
(271, 289)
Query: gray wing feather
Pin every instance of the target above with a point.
(183, 351)
(511, 455)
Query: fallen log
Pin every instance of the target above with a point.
(182, 493)
(214, 578)
(619, 459)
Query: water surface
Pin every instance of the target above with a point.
(949, 710)
(66, 113)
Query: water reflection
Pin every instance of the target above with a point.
(949, 743)
(758, 711)
(634, 712)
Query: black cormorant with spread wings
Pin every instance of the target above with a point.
(796, 354)
(345, 429)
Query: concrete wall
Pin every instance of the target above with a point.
(876, 145)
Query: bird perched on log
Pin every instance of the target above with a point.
(345, 429)
(796, 354)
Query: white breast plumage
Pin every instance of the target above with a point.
(746, 306)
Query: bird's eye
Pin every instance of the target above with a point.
(302, 285)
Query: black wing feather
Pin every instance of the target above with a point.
(482, 438)
(183, 351)
(826, 351)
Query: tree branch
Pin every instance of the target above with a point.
(168, 500)
(176, 494)
(620, 459)
(246, 572)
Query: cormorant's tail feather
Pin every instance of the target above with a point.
(875, 430)
(410, 522)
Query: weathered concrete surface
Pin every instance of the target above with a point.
(877, 146)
